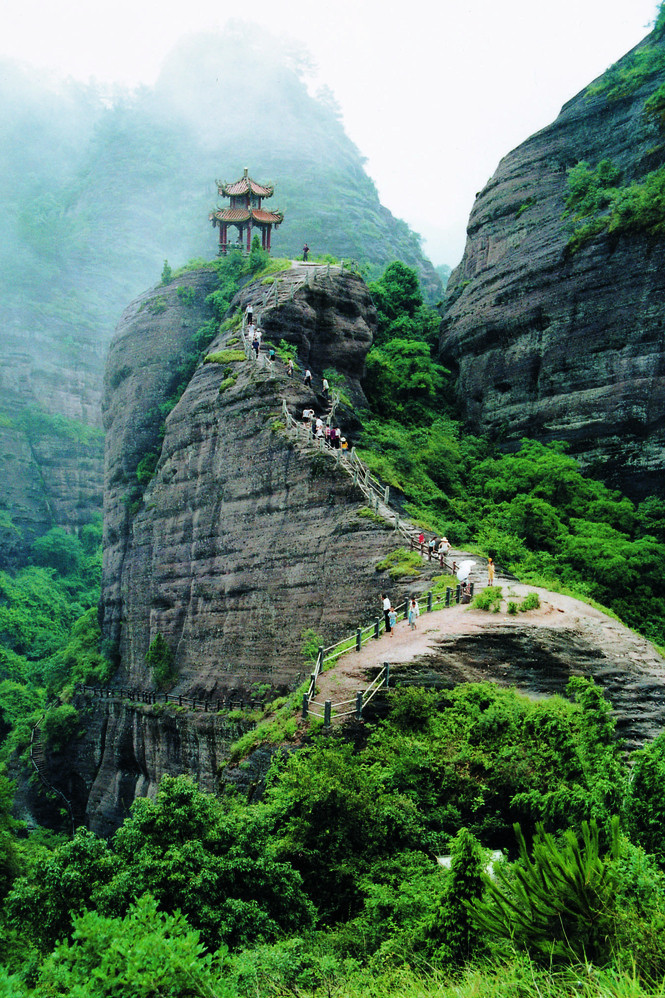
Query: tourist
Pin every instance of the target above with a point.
(326, 387)
(256, 346)
(490, 572)
(392, 617)
(444, 546)
(249, 312)
(431, 546)
(421, 540)
(271, 353)
(307, 415)
(305, 252)
(289, 367)
(414, 613)
(386, 611)
(319, 427)
(344, 443)
(251, 330)
(327, 433)
(307, 380)
(338, 437)
(333, 434)
(259, 334)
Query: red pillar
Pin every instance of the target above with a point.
(263, 237)
(223, 237)
(269, 231)
(249, 235)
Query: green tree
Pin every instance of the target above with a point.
(451, 933)
(143, 954)
(557, 903)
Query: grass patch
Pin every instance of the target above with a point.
(401, 564)
(365, 513)
(224, 357)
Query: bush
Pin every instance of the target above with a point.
(489, 599)
(60, 725)
(160, 659)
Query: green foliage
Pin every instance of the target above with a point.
(311, 642)
(160, 659)
(401, 564)
(489, 599)
(186, 295)
(144, 954)
(597, 196)
(60, 725)
(58, 549)
(167, 273)
(530, 602)
(403, 382)
(224, 357)
(145, 470)
(451, 934)
(645, 802)
(558, 903)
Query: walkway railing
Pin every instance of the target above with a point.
(208, 705)
(327, 656)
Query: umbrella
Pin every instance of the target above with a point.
(463, 570)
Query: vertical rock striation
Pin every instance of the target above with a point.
(559, 345)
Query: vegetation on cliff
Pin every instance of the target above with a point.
(532, 510)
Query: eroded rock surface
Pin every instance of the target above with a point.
(558, 346)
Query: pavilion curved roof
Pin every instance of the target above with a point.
(244, 186)
(257, 215)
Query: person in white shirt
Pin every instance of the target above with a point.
(386, 611)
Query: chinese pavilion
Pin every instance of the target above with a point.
(245, 212)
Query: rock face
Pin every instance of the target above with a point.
(50, 435)
(241, 542)
(562, 346)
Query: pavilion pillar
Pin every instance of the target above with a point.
(269, 231)
(249, 236)
(263, 237)
(223, 237)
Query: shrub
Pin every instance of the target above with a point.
(401, 564)
(224, 357)
(530, 602)
(59, 726)
(489, 599)
(160, 659)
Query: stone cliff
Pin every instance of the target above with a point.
(240, 542)
(558, 345)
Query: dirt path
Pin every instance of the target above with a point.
(614, 641)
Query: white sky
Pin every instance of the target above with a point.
(433, 92)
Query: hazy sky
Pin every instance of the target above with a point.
(433, 92)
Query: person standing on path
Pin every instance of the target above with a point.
(305, 252)
(307, 380)
(414, 613)
(392, 617)
(289, 367)
(386, 612)
(490, 572)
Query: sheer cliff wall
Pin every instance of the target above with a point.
(562, 346)
(241, 541)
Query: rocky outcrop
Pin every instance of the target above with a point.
(241, 541)
(562, 346)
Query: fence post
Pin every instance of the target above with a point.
(319, 660)
(471, 585)
(377, 624)
(458, 593)
(448, 594)
(387, 665)
(327, 713)
(406, 609)
(429, 601)
(396, 521)
(386, 494)
(359, 638)
(359, 705)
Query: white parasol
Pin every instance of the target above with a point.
(463, 570)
